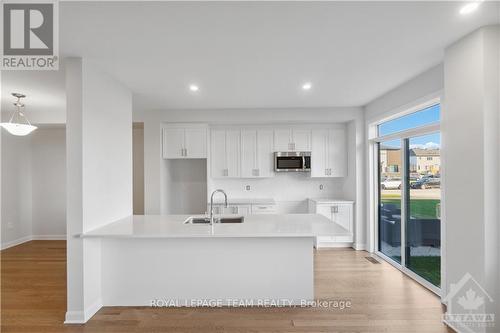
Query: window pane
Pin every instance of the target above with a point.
(424, 117)
(423, 223)
(390, 199)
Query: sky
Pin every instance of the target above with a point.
(420, 118)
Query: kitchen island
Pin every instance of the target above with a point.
(162, 261)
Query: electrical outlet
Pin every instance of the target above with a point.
(247, 188)
(10, 225)
(321, 187)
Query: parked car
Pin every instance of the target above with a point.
(391, 184)
(427, 182)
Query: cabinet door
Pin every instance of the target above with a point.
(337, 160)
(342, 215)
(173, 143)
(233, 153)
(326, 211)
(319, 153)
(248, 153)
(195, 142)
(301, 140)
(265, 153)
(218, 154)
(242, 210)
(282, 139)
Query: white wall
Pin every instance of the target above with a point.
(471, 124)
(33, 173)
(99, 175)
(138, 167)
(187, 181)
(48, 148)
(401, 98)
(16, 189)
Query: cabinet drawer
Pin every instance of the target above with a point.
(263, 209)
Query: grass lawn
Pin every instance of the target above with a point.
(419, 208)
(427, 267)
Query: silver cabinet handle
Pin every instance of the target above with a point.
(335, 209)
(185, 152)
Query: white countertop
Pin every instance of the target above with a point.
(245, 201)
(329, 201)
(172, 226)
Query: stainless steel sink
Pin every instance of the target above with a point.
(197, 220)
(222, 219)
(232, 219)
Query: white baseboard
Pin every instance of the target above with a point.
(15, 242)
(74, 317)
(30, 238)
(325, 245)
(49, 237)
(81, 317)
(359, 247)
(455, 328)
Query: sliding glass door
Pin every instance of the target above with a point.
(409, 194)
(423, 221)
(390, 184)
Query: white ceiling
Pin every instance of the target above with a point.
(257, 55)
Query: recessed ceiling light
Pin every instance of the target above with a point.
(307, 86)
(194, 87)
(470, 7)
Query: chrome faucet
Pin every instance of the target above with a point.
(212, 204)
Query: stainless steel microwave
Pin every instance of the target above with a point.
(292, 161)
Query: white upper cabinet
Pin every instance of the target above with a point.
(301, 139)
(337, 152)
(329, 153)
(292, 139)
(282, 139)
(195, 142)
(184, 141)
(256, 153)
(173, 143)
(319, 153)
(225, 153)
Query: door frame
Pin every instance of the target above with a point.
(374, 194)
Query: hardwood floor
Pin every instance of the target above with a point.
(33, 286)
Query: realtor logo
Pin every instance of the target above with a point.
(29, 35)
(467, 304)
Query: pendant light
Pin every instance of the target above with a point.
(18, 123)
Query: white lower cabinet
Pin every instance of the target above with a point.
(243, 209)
(231, 209)
(263, 209)
(339, 212)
